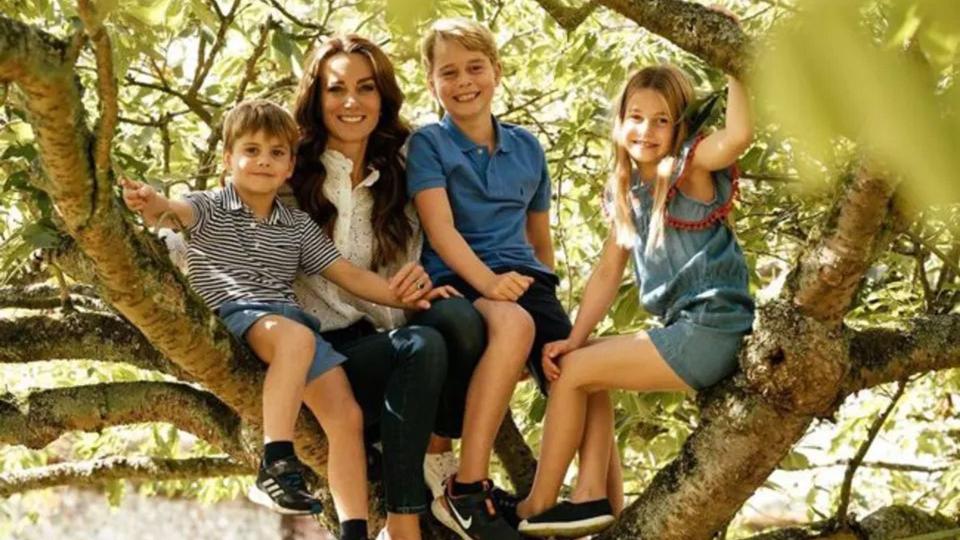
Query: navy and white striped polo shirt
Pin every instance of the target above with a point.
(231, 255)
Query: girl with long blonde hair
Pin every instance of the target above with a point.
(671, 192)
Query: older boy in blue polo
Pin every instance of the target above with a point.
(482, 191)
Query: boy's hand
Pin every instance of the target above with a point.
(552, 353)
(410, 283)
(137, 195)
(509, 286)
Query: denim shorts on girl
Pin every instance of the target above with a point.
(239, 316)
(700, 355)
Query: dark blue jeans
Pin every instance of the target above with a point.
(410, 382)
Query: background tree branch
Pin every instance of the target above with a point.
(82, 336)
(48, 414)
(96, 472)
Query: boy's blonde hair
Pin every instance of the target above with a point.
(677, 92)
(256, 115)
(470, 34)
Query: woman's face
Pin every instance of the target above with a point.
(350, 99)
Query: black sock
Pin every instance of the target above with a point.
(353, 529)
(467, 489)
(277, 450)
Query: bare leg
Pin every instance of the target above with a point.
(510, 336)
(288, 347)
(331, 400)
(615, 482)
(403, 526)
(627, 362)
(595, 449)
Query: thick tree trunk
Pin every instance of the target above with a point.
(132, 269)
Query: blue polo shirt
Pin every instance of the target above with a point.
(490, 193)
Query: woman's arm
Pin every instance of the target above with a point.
(538, 234)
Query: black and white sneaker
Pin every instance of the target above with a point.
(281, 487)
(473, 516)
(570, 520)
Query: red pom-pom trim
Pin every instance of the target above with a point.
(719, 213)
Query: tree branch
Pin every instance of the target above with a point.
(250, 71)
(706, 33)
(845, 488)
(85, 336)
(290, 17)
(830, 272)
(106, 87)
(204, 65)
(882, 355)
(569, 18)
(516, 456)
(133, 270)
(42, 296)
(118, 468)
(903, 522)
(48, 414)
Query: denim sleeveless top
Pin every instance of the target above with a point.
(698, 273)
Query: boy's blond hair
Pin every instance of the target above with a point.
(257, 115)
(470, 34)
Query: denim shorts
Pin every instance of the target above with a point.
(239, 316)
(700, 355)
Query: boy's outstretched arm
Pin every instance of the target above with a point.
(538, 234)
(145, 200)
(433, 206)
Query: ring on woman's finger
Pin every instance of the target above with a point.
(420, 285)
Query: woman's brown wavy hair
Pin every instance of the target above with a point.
(391, 225)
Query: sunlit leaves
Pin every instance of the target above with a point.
(826, 78)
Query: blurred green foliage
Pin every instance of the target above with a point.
(837, 81)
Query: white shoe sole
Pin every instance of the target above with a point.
(439, 509)
(571, 529)
(257, 496)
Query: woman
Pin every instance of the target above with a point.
(410, 377)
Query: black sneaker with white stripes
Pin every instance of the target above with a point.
(281, 487)
(570, 520)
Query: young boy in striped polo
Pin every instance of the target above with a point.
(243, 251)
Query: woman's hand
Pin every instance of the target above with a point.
(411, 283)
(552, 354)
(509, 286)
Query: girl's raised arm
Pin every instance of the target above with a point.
(721, 148)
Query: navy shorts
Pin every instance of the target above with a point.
(241, 315)
(540, 300)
